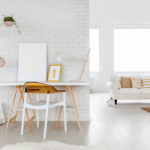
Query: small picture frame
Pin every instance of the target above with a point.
(54, 73)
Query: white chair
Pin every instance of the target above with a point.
(38, 88)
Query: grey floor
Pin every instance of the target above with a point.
(122, 127)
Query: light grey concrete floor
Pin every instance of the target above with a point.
(122, 127)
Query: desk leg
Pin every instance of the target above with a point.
(11, 108)
(74, 108)
(18, 105)
(25, 109)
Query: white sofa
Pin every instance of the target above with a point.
(127, 93)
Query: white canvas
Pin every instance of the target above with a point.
(57, 72)
(32, 62)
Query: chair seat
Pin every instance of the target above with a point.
(37, 103)
(41, 103)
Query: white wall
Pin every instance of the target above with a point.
(106, 13)
(64, 26)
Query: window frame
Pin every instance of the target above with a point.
(100, 48)
(127, 27)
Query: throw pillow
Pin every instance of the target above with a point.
(136, 82)
(126, 82)
(118, 82)
(146, 83)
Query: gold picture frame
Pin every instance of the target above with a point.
(54, 73)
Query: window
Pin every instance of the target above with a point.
(94, 45)
(132, 49)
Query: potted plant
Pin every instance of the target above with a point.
(2, 62)
(10, 21)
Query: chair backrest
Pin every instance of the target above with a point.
(35, 87)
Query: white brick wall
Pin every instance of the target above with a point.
(64, 26)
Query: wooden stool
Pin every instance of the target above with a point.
(21, 88)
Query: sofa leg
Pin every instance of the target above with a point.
(115, 101)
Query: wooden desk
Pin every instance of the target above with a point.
(20, 86)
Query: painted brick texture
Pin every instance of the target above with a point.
(64, 26)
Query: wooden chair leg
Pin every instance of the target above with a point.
(25, 110)
(11, 108)
(58, 117)
(32, 109)
(75, 106)
(23, 115)
(18, 105)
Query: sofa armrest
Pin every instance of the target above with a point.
(113, 86)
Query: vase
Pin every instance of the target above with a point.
(8, 23)
(2, 62)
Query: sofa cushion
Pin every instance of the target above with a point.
(145, 90)
(126, 82)
(129, 90)
(146, 83)
(136, 82)
(118, 82)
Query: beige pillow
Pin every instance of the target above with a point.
(118, 82)
(145, 83)
(126, 82)
(136, 82)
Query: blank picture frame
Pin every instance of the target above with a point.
(54, 73)
(32, 62)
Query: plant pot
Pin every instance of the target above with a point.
(8, 23)
(2, 62)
